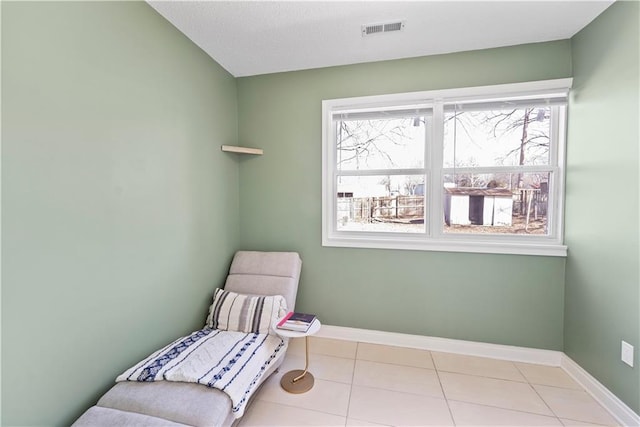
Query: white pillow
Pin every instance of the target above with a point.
(245, 313)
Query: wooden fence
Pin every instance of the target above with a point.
(367, 209)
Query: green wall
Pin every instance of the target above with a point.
(119, 211)
(515, 300)
(602, 297)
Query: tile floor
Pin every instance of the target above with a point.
(358, 384)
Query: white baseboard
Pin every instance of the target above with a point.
(445, 345)
(608, 400)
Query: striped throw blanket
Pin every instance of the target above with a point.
(233, 362)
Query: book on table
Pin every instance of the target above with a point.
(295, 321)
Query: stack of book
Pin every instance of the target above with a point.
(299, 322)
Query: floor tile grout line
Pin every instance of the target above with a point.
(483, 376)
(304, 409)
(507, 409)
(526, 380)
(399, 392)
(576, 390)
(546, 384)
(438, 373)
(535, 390)
(553, 414)
(580, 421)
(435, 366)
(394, 390)
(490, 406)
(559, 387)
(353, 373)
(313, 338)
(513, 381)
(538, 394)
(309, 409)
(397, 364)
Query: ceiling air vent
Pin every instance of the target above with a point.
(387, 27)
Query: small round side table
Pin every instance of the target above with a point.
(298, 381)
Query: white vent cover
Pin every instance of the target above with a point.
(385, 27)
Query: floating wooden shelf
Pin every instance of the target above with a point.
(242, 150)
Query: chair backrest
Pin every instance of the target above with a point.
(265, 273)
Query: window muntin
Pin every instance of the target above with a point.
(506, 194)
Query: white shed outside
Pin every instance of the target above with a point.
(479, 206)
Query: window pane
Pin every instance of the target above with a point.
(396, 143)
(393, 203)
(491, 203)
(497, 137)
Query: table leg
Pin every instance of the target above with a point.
(299, 381)
(306, 360)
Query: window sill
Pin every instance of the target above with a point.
(483, 247)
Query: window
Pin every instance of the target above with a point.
(473, 170)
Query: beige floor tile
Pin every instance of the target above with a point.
(360, 423)
(574, 405)
(480, 366)
(492, 392)
(469, 414)
(325, 396)
(296, 346)
(406, 379)
(395, 355)
(396, 386)
(397, 409)
(263, 413)
(331, 347)
(547, 375)
(322, 367)
(326, 346)
(573, 423)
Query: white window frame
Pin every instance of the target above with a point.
(434, 239)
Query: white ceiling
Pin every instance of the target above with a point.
(258, 37)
